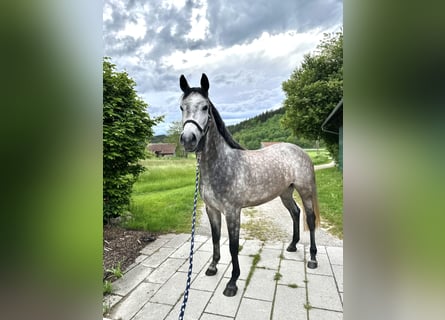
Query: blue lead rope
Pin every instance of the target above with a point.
(192, 242)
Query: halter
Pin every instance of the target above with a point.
(201, 130)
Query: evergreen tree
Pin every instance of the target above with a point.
(126, 130)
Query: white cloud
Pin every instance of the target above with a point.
(178, 4)
(247, 50)
(199, 22)
(289, 46)
(136, 30)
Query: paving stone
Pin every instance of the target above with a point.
(140, 258)
(165, 270)
(245, 263)
(131, 279)
(335, 255)
(292, 272)
(338, 274)
(208, 245)
(158, 257)
(183, 251)
(111, 300)
(177, 240)
(324, 267)
(201, 259)
(208, 316)
(137, 261)
(262, 285)
(298, 255)
(226, 258)
(201, 239)
(171, 291)
(254, 309)
(153, 286)
(319, 314)
(152, 247)
(270, 259)
(251, 247)
(289, 304)
(195, 305)
(277, 245)
(152, 311)
(323, 293)
(225, 306)
(133, 302)
(208, 283)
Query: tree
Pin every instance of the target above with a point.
(173, 134)
(126, 130)
(313, 91)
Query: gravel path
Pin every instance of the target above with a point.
(272, 221)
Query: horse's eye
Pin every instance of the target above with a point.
(180, 107)
(205, 108)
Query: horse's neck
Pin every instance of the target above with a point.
(215, 148)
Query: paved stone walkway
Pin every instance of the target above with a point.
(281, 287)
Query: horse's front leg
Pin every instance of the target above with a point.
(233, 226)
(215, 223)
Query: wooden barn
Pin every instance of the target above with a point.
(162, 149)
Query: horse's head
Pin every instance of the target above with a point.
(195, 107)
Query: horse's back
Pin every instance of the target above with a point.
(288, 151)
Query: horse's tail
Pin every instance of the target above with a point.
(315, 208)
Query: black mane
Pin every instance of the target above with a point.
(225, 133)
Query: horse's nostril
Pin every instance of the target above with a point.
(188, 139)
(193, 140)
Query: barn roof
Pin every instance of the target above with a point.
(162, 148)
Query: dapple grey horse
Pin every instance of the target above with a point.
(233, 178)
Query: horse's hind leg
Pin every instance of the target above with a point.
(310, 218)
(215, 223)
(289, 203)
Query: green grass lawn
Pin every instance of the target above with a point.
(319, 157)
(162, 199)
(330, 198)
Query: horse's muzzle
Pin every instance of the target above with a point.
(189, 141)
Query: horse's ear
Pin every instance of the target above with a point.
(183, 84)
(204, 83)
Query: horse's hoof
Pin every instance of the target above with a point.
(211, 271)
(230, 290)
(291, 248)
(312, 264)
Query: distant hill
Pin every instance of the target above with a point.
(158, 139)
(265, 127)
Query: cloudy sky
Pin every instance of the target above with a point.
(247, 49)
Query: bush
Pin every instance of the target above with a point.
(126, 130)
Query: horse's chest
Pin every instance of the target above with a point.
(215, 192)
